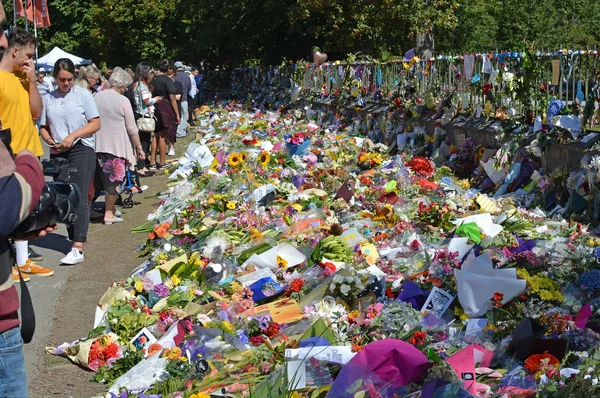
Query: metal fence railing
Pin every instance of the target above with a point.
(568, 75)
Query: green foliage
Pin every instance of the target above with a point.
(125, 321)
(108, 375)
(123, 32)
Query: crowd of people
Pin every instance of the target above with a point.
(109, 127)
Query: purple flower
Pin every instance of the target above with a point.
(223, 315)
(263, 323)
(298, 180)
(161, 290)
(147, 284)
(431, 321)
(241, 334)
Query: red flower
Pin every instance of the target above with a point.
(272, 330)
(296, 285)
(253, 141)
(328, 267)
(256, 341)
(389, 293)
(535, 362)
(497, 299)
(421, 165)
(487, 88)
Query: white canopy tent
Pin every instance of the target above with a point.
(47, 61)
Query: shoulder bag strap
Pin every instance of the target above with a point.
(27, 312)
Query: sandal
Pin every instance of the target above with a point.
(115, 221)
(148, 173)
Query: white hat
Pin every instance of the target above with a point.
(42, 69)
(178, 64)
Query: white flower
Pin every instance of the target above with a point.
(332, 220)
(337, 278)
(215, 247)
(345, 289)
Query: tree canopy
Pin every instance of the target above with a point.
(123, 32)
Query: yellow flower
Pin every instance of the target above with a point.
(236, 287)
(139, 286)
(234, 159)
(231, 205)
(282, 262)
(228, 327)
(200, 395)
(264, 158)
(172, 354)
(211, 201)
(243, 156)
(175, 279)
(255, 234)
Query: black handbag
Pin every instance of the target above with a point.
(5, 137)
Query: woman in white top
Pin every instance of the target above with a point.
(68, 123)
(144, 104)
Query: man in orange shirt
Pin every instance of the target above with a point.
(20, 105)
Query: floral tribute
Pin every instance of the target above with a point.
(292, 245)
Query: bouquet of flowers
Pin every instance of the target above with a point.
(297, 143)
(92, 353)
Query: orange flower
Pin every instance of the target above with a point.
(541, 362)
(153, 349)
(356, 347)
(160, 230)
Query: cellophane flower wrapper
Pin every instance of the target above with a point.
(93, 353)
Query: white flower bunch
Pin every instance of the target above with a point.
(595, 162)
(381, 147)
(347, 286)
(286, 188)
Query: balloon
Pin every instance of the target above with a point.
(319, 58)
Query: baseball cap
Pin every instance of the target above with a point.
(178, 64)
(42, 70)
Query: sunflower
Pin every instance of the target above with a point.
(243, 156)
(234, 159)
(231, 205)
(264, 158)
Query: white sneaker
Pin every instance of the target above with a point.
(171, 152)
(74, 257)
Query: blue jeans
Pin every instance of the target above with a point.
(13, 381)
(182, 128)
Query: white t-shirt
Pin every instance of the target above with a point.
(193, 88)
(65, 113)
(50, 82)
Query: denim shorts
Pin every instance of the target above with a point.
(13, 381)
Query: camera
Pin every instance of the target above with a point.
(59, 201)
(59, 204)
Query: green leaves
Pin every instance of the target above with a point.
(123, 32)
